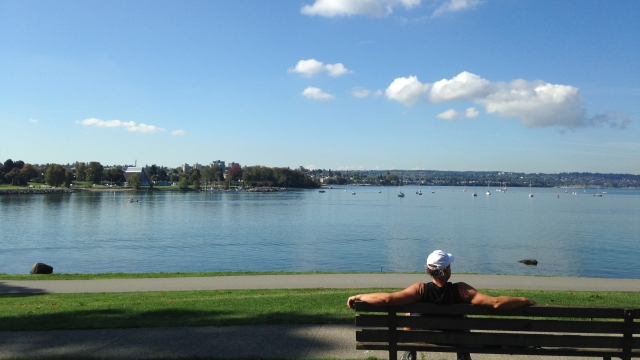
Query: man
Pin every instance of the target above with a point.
(440, 291)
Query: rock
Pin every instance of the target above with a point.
(529, 261)
(41, 268)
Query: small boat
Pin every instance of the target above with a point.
(474, 194)
(353, 193)
(379, 191)
(598, 194)
(321, 191)
(530, 194)
(488, 192)
(400, 194)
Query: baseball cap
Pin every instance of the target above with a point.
(439, 260)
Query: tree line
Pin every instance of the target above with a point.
(19, 173)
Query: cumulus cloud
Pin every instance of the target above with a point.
(455, 6)
(127, 125)
(376, 8)
(363, 93)
(471, 113)
(33, 121)
(360, 92)
(448, 115)
(453, 115)
(535, 103)
(177, 132)
(461, 87)
(317, 94)
(311, 67)
(406, 90)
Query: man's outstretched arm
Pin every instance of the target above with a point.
(406, 296)
(474, 297)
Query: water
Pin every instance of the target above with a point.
(92, 232)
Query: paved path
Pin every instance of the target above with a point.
(313, 281)
(260, 341)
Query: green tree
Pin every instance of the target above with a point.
(81, 171)
(68, 178)
(134, 181)
(54, 175)
(183, 184)
(94, 172)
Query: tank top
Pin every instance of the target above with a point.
(446, 295)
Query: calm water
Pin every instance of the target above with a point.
(573, 235)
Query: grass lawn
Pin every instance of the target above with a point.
(226, 307)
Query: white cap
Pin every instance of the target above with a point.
(439, 260)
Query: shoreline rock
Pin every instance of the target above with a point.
(529, 262)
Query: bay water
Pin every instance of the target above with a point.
(305, 230)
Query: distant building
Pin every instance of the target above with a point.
(185, 167)
(231, 164)
(197, 166)
(219, 163)
(144, 180)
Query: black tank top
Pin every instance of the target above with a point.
(446, 295)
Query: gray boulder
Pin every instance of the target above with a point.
(41, 268)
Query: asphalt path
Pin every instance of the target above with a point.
(339, 281)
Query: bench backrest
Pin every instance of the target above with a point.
(591, 329)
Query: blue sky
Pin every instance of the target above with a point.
(511, 85)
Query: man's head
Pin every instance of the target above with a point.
(438, 264)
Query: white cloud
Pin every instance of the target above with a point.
(363, 93)
(463, 86)
(360, 92)
(406, 90)
(377, 8)
(535, 103)
(455, 6)
(311, 167)
(453, 115)
(311, 67)
(317, 94)
(128, 125)
(448, 115)
(471, 113)
(33, 121)
(177, 132)
(336, 69)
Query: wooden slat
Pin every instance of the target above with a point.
(456, 323)
(507, 339)
(529, 311)
(492, 339)
(555, 351)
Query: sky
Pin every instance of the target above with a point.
(483, 85)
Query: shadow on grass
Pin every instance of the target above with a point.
(125, 318)
(21, 290)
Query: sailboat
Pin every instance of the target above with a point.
(400, 194)
(488, 192)
(474, 193)
(598, 194)
(530, 194)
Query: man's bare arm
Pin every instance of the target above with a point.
(406, 296)
(473, 296)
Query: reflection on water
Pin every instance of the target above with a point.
(573, 235)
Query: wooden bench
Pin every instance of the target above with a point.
(534, 330)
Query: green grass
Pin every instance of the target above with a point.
(226, 307)
(153, 275)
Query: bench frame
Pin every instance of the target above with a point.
(529, 330)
